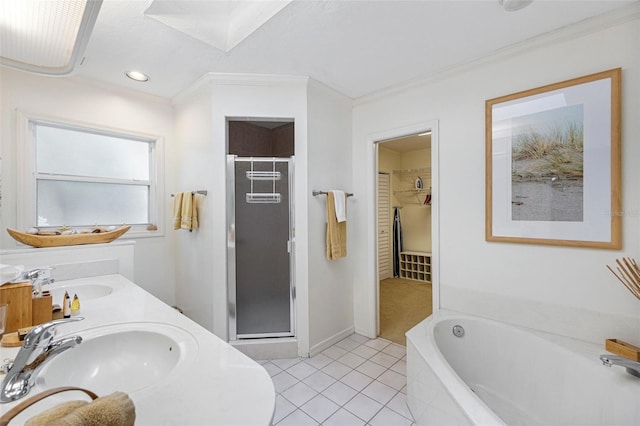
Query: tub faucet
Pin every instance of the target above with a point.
(632, 367)
(38, 348)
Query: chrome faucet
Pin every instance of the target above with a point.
(35, 274)
(38, 348)
(632, 367)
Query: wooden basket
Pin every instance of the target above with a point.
(6, 417)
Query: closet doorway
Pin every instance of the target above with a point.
(404, 234)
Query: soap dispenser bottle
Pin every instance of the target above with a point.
(66, 306)
(75, 305)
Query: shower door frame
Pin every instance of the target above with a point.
(231, 248)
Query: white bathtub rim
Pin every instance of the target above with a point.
(585, 350)
(469, 403)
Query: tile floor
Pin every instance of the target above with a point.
(357, 381)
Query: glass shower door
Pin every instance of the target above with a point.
(260, 289)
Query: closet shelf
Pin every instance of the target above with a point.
(420, 171)
(407, 178)
(413, 191)
(413, 186)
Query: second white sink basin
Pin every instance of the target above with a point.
(84, 291)
(129, 357)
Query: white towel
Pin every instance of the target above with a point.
(339, 200)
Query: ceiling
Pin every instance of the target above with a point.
(409, 143)
(356, 47)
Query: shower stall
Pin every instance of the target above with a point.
(261, 291)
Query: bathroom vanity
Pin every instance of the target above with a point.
(174, 370)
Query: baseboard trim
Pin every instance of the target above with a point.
(365, 333)
(326, 343)
(268, 348)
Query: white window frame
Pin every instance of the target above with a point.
(27, 173)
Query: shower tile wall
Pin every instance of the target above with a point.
(251, 140)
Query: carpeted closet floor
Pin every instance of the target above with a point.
(403, 304)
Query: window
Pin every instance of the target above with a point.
(81, 176)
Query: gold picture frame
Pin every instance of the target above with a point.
(553, 164)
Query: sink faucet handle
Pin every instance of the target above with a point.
(45, 331)
(35, 273)
(31, 275)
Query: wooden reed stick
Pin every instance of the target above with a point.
(632, 270)
(628, 274)
(624, 272)
(634, 290)
(627, 284)
(635, 265)
(620, 278)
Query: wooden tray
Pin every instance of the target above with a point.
(11, 340)
(67, 240)
(623, 349)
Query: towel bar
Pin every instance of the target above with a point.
(199, 191)
(314, 192)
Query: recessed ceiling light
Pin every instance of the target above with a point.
(137, 76)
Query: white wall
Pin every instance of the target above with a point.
(324, 294)
(77, 100)
(329, 151)
(560, 289)
(194, 250)
(236, 96)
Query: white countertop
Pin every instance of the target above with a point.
(217, 385)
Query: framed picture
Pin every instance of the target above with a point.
(553, 164)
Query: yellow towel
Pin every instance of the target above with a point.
(194, 212)
(116, 409)
(185, 211)
(177, 210)
(336, 232)
(189, 212)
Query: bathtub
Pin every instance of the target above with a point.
(497, 374)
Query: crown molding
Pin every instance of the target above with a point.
(588, 26)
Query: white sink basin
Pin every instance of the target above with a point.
(85, 292)
(130, 357)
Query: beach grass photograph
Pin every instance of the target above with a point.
(547, 166)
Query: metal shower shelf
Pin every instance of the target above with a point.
(263, 197)
(262, 175)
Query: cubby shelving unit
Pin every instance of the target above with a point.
(415, 265)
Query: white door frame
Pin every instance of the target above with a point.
(374, 140)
